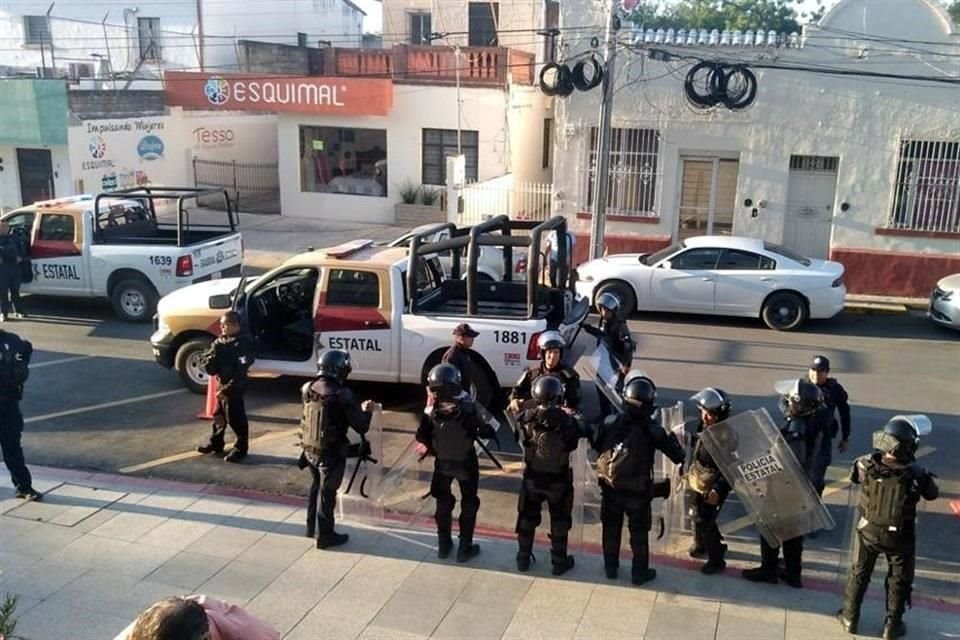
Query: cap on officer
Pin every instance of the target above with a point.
(820, 363)
(465, 330)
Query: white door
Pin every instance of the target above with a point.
(688, 284)
(708, 193)
(810, 195)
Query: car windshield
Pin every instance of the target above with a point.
(654, 258)
(786, 253)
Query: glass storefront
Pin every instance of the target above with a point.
(343, 160)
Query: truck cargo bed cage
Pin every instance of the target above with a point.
(498, 232)
(147, 195)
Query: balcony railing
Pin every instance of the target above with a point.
(478, 66)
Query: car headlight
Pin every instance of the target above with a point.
(162, 325)
(943, 294)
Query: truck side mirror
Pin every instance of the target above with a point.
(220, 301)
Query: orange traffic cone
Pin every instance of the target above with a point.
(211, 404)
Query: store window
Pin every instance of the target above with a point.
(345, 161)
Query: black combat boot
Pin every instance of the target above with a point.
(525, 553)
(849, 623)
(332, 539)
(642, 576)
(523, 562)
(444, 544)
(761, 574)
(711, 567)
(894, 628)
(467, 551)
(611, 572)
(558, 556)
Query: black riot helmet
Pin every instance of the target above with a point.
(715, 401)
(609, 302)
(799, 397)
(444, 381)
(335, 364)
(547, 391)
(640, 396)
(900, 437)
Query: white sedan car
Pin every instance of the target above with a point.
(489, 265)
(720, 275)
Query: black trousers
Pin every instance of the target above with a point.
(327, 477)
(467, 475)
(10, 290)
(557, 491)
(614, 505)
(792, 555)
(230, 411)
(706, 532)
(11, 429)
(900, 552)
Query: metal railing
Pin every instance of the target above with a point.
(518, 200)
(635, 171)
(254, 186)
(926, 192)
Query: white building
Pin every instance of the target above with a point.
(114, 39)
(864, 170)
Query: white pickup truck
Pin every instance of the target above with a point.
(116, 246)
(392, 308)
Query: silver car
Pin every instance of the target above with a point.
(945, 302)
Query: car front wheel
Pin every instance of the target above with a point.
(784, 311)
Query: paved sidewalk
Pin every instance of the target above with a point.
(101, 548)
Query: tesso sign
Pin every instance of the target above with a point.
(203, 135)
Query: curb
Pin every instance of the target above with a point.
(875, 309)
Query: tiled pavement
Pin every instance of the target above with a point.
(100, 548)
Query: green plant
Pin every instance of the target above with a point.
(7, 622)
(409, 192)
(429, 195)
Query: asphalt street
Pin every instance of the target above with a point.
(97, 401)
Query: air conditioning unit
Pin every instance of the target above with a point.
(79, 70)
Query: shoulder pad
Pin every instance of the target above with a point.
(468, 406)
(345, 394)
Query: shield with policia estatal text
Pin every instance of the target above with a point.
(760, 466)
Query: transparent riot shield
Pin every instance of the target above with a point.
(668, 512)
(358, 496)
(494, 424)
(405, 488)
(583, 476)
(760, 466)
(599, 368)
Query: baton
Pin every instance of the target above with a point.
(492, 457)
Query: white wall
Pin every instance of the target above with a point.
(528, 109)
(10, 176)
(220, 136)
(414, 108)
(858, 120)
(452, 17)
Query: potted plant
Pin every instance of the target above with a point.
(418, 205)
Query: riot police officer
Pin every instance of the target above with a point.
(549, 434)
(15, 353)
(892, 484)
(707, 487)
(627, 445)
(229, 358)
(803, 427)
(614, 333)
(329, 409)
(835, 401)
(448, 429)
(552, 346)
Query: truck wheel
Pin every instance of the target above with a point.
(484, 391)
(187, 364)
(134, 300)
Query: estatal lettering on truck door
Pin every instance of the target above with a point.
(54, 271)
(356, 320)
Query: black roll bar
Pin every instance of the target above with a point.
(501, 222)
(181, 194)
(558, 224)
(415, 243)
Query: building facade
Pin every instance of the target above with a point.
(827, 160)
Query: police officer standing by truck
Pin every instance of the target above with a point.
(329, 409)
(15, 353)
(835, 401)
(447, 431)
(552, 347)
(459, 353)
(707, 486)
(229, 358)
(891, 484)
(549, 434)
(627, 445)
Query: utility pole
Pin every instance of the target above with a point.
(600, 190)
(456, 51)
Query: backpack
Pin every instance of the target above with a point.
(450, 439)
(317, 431)
(620, 466)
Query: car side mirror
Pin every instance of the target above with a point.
(220, 301)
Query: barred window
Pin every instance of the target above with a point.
(440, 143)
(634, 170)
(926, 194)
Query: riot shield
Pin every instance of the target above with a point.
(599, 367)
(358, 496)
(405, 488)
(585, 533)
(760, 466)
(668, 513)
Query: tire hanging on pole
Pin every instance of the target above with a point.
(709, 84)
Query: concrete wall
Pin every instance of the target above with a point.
(528, 108)
(452, 17)
(414, 108)
(10, 176)
(85, 104)
(858, 120)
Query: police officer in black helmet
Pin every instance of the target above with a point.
(447, 431)
(329, 409)
(892, 484)
(803, 426)
(627, 445)
(706, 485)
(549, 433)
(552, 347)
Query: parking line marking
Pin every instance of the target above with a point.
(834, 487)
(186, 455)
(50, 363)
(103, 405)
